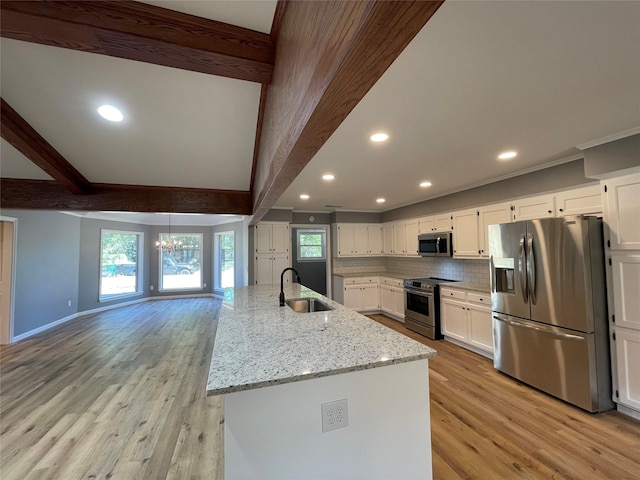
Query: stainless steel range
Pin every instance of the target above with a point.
(422, 306)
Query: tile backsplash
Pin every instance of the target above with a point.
(472, 270)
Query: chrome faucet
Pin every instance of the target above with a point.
(282, 283)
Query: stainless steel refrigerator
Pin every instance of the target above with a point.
(548, 298)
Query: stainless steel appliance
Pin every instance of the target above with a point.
(435, 244)
(422, 306)
(549, 307)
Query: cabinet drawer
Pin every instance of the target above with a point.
(479, 298)
(459, 294)
(360, 280)
(394, 282)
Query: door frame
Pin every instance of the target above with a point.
(6, 328)
(327, 230)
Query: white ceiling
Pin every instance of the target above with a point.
(481, 78)
(538, 77)
(182, 219)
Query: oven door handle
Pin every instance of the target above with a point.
(418, 292)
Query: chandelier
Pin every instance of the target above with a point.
(171, 244)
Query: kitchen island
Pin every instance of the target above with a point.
(276, 367)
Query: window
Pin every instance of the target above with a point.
(311, 245)
(225, 264)
(181, 267)
(120, 253)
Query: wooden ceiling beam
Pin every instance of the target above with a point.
(328, 56)
(17, 131)
(146, 33)
(48, 195)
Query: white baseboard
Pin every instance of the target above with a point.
(84, 313)
(628, 411)
(35, 331)
(469, 347)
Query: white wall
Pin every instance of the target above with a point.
(276, 432)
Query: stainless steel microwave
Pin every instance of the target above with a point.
(435, 244)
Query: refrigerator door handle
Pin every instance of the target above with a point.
(515, 323)
(522, 266)
(492, 275)
(531, 269)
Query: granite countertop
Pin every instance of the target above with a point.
(259, 343)
(470, 286)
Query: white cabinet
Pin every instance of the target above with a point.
(399, 239)
(387, 236)
(625, 275)
(271, 242)
(579, 201)
(361, 294)
(435, 223)
(267, 268)
(628, 360)
(358, 240)
(411, 238)
(621, 202)
(490, 215)
(466, 319)
(374, 236)
(541, 206)
(465, 233)
(272, 238)
(622, 211)
(392, 297)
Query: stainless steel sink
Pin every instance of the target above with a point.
(307, 305)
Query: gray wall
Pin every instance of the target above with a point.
(41, 294)
(302, 218)
(278, 215)
(611, 157)
(356, 217)
(567, 175)
(89, 274)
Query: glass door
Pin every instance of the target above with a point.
(225, 255)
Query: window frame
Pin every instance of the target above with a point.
(323, 245)
(161, 287)
(139, 256)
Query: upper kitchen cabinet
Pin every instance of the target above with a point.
(411, 237)
(622, 211)
(579, 201)
(401, 238)
(272, 237)
(387, 237)
(441, 222)
(490, 215)
(530, 208)
(358, 240)
(465, 233)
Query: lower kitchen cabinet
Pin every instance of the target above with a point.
(392, 297)
(466, 319)
(269, 267)
(361, 297)
(628, 359)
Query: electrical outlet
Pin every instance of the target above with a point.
(151, 287)
(335, 415)
(205, 284)
(68, 303)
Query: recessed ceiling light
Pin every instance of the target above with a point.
(304, 196)
(380, 200)
(379, 137)
(507, 155)
(110, 113)
(328, 177)
(425, 184)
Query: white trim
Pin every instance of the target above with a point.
(84, 313)
(609, 138)
(35, 331)
(14, 260)
(628, 411)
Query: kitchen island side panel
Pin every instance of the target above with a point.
(276, 432)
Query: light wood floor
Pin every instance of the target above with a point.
(121, 395)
